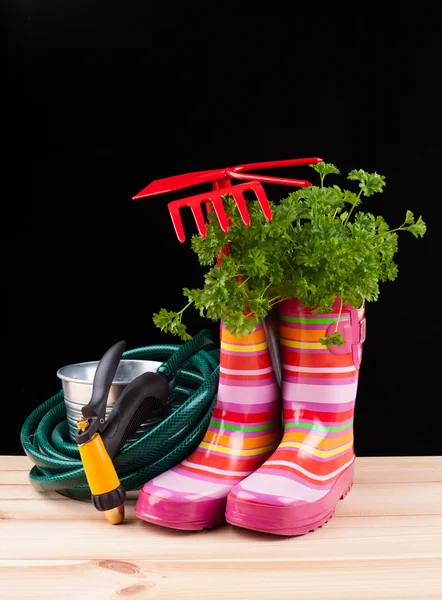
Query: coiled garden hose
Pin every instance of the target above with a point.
(58, 466)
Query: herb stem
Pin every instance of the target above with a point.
(264, 291)
(398, 228)
(339, 315)
(183, 309)
(351, 210)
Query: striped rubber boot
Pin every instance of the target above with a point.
(297, 489)
(245, 429)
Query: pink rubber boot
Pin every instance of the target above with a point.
(296, 490)
(245, 429)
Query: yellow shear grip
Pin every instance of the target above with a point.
(100, 471)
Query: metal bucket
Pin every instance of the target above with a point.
(77, 380)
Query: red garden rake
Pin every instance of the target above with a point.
(221, 184)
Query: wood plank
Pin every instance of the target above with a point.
(392, 499)
(26, 510)
(15, 463)
(398, 469)
(395, 578)
(24, 502)
(14, 477)
(139, 540)
(53, 510)
(21, 478)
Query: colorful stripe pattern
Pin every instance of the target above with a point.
(244, 431)
(319, 391)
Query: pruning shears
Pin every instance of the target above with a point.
(99, 439)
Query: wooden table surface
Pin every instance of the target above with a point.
(384, 541)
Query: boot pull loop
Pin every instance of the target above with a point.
(353, 331)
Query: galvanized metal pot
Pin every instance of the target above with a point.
(77, 382)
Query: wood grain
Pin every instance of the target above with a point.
(384, 542)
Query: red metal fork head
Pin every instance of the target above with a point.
(214, 197)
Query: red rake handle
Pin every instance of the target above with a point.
(237, 172)
(177, 182)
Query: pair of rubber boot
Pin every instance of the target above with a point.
(263, 466)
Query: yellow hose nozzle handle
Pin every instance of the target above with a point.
(108, 494)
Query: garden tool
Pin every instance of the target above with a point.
(192, 372)
(221, 184)
(245, 428)
(99, 439)
(296, 490)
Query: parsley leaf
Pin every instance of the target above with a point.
(370, 183)
(419, 228)
(334, 338)
(169, 321)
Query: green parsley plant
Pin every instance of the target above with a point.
(319, 246)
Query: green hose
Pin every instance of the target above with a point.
(45, 434)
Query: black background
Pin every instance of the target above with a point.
(101, 99)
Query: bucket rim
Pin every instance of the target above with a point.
(88, 363)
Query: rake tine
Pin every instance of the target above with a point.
(242, 206)
(220, 212)
(199, 218)
(176, 220)
(262, 199)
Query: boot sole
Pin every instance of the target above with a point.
(190, 516)
(183, 526)
(240, 513)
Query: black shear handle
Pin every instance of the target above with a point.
(94, 413)
(142, 397)
(103, 378)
